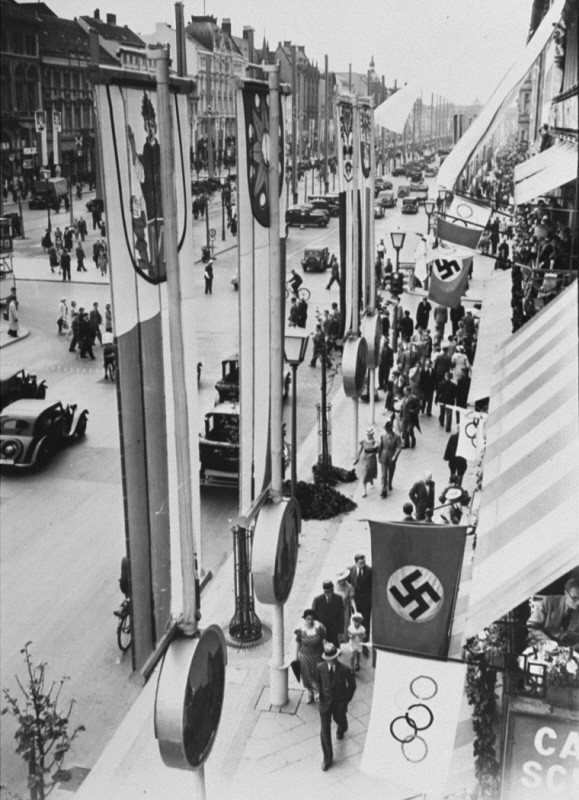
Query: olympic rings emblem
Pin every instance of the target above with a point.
(407, 727)
(463, 211)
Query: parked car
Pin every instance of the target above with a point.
(32, 430)
(19, 385)
(410, 205)
(228, 386)
(380, 184)
(306, 214)
(316, 259)
(219, 446)
(431, 171)
(327, 202)
(387, 198)
(379, 211)
(415, 175)
(398, 171)
(403, 191)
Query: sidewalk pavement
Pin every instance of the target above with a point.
(262, 751)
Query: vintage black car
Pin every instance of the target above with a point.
(228, 386)
(397, 171)
(419, 187)
(316, 259)
(306, 214)
(410, 205)
(326, 202)
(219, 446)
(431, 171)
(31, 431)
(19, 385)
(380, 184)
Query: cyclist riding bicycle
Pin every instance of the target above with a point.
(295, 282)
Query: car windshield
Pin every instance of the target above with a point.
(12, 426)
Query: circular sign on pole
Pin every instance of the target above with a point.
(354, 365)
(212, 233)
(275, 556)
(189, 698)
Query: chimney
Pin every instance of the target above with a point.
(111, 19)
(302, 48)
(248, 34)
(287, 44)
(226, 25)
(97, 13)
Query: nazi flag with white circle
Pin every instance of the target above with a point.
(446, 269)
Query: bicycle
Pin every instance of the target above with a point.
(124, 628)
(303, 293)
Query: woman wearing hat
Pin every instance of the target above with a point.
(310, 638)
(345, 589)
(367, 451)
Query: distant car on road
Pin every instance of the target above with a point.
(316, 259)
(403, 191)
(431, 171)
(228, 386)
(219, 446)
(398, 171)
(387, 198)
(380, 184)
(327, 202)
(419, 187)
(31, 431)
(379, 211)
(18, 385)
(306, 215)
(410, 205)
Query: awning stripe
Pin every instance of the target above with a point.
(537, 384)
(546, 171)
(530, 501)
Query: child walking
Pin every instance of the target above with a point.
(356, 636)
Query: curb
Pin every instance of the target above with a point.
(6, 341)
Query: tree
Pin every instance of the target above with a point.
(43, 734)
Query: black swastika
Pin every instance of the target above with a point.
(415, 594)
(447, 270)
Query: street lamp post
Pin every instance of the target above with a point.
(397, 238)
(295, 346)
(429, 208)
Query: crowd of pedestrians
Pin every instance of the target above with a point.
(84, 328)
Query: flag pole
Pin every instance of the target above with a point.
(188, 622)
(355, 256)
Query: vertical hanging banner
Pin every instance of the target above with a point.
(413, 602)
(129, 132)
(412, 730)
(348, 215)
(255, 273)
(366, 188)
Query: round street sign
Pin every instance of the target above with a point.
(275, 550)
(212, 233)
(190, 697)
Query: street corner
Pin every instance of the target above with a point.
(6, 340)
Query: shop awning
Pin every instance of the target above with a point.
(490, 115)
(527, 528)
(494, 329)
(546, 171)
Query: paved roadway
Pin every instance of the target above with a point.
(62, 527)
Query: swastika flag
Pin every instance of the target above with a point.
(448, 276)
(417, 572)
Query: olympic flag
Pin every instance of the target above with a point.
(413, 724)
(413, 601)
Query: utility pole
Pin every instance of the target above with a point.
(210, 168)
(326, 125)
(294, 125)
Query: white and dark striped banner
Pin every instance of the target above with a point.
(131, 160)
(346, 124)
(527, 531)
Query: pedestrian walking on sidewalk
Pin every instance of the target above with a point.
(53, 259)
(108, 318)
(346, 591)
(96, 320)
(13, 320)
(356, 638)
(80, 256)
(65, 265)
(389, 449)
(337, 686)
(335, 272)
(446, 399)
(62, 320)
(367, 451)
(422, 495)
(208, 275)
(361, 580)
(329, 610)
(310, 638)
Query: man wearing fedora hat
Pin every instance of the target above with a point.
(329, 609)
(337, 686)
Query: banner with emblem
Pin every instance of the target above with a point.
(413, 724)
(366, 186)
(348, 209)
(413, 602)
(449, 272)
(256, 273)
(130, 135)
(463, 222)
(471, 434)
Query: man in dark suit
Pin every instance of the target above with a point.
(422, 495)
(426, 383)
(337, 686)
(329, 609)
(388, 451)
(361, 581)
(446, 396)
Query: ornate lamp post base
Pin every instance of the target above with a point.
(245, 625)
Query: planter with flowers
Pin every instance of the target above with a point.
(563, 679)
